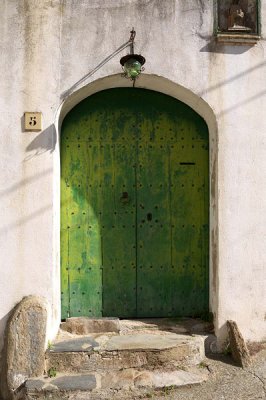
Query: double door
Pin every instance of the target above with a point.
(134, 211)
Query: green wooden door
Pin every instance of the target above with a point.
(134, 207)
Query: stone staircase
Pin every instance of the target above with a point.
(96, 358)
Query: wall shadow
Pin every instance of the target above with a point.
(24, 182)
(222, 48)
(24, 220)
(44, 142)
(233, 78)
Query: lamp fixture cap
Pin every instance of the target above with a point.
(136, 57)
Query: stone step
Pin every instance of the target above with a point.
(174, 325)
(95, 385)
(138, 357)
(116, 352)
(86, 325)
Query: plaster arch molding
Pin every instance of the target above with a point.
(164, 86)
(145, 81)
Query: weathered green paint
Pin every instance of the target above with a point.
(134, 207)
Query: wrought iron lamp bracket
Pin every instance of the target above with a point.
(132, 64)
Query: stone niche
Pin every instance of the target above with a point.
(237, 17)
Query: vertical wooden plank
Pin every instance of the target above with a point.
(94, 211)
(154, 240)
(64, 275)
(77, 229)
(118, 230)
(203, 193)
(64, 240)
(183, 226)
(188, 204)
(84, 236)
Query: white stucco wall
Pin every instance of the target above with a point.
(46, 47)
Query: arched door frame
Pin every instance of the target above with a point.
(165, 86)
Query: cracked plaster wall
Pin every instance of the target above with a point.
(46, 47)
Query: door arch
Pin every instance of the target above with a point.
(134, 207)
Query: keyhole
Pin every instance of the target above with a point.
(149, 216)
(124, 198)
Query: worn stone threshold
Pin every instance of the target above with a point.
(87, 325)
(108, 342)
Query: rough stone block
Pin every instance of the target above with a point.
(130, 378)
(34, 384)
(176, 378)
(238, 346)
(24, 348)
(72, 382)
(119, 379)
(79, 382)
(144, 379)
(66, 362)
(145, 342)
(86, 325)
(83, 344)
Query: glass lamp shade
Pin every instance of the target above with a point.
(132, 65)
(132, 68)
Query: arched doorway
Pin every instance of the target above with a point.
(134, 207)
